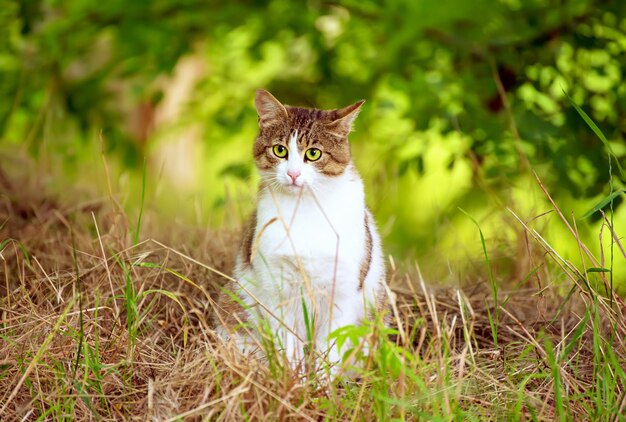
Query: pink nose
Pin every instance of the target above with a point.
(293, 174)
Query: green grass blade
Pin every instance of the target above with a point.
(79, 288)
(595, 130)
(492, 281)
(143, 197)
(598, 270)
(169, 270)
(559, 402)
(307, 321)
(603, 203)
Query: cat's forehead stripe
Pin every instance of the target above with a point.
(293, 142)
(294, 136)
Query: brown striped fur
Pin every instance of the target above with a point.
(248, 241)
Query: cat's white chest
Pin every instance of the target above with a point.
(321, 238)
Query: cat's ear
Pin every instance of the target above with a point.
(341, 125)
(269, 109)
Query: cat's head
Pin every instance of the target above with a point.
(301, 147)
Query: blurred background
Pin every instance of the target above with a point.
(465, 100)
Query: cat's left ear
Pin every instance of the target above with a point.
(343, 118)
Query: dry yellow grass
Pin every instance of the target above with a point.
(95, 327)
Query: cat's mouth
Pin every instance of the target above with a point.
(294, 188)
(294, 185)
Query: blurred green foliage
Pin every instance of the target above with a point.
(463, 97)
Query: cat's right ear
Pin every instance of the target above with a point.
(269, 109)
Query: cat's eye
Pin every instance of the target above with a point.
(280, 151)
(313, 154)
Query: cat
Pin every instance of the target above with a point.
(311, 259)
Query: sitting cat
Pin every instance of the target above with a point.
(312, 246)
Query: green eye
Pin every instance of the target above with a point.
(280, 151)
(313, 154)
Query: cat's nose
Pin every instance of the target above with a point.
(293, 174)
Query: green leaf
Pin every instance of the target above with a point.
(595, 130)
(604, 203)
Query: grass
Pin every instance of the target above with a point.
(100, 324)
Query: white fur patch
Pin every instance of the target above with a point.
(294, 161)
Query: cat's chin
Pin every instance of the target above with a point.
(288, 188)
